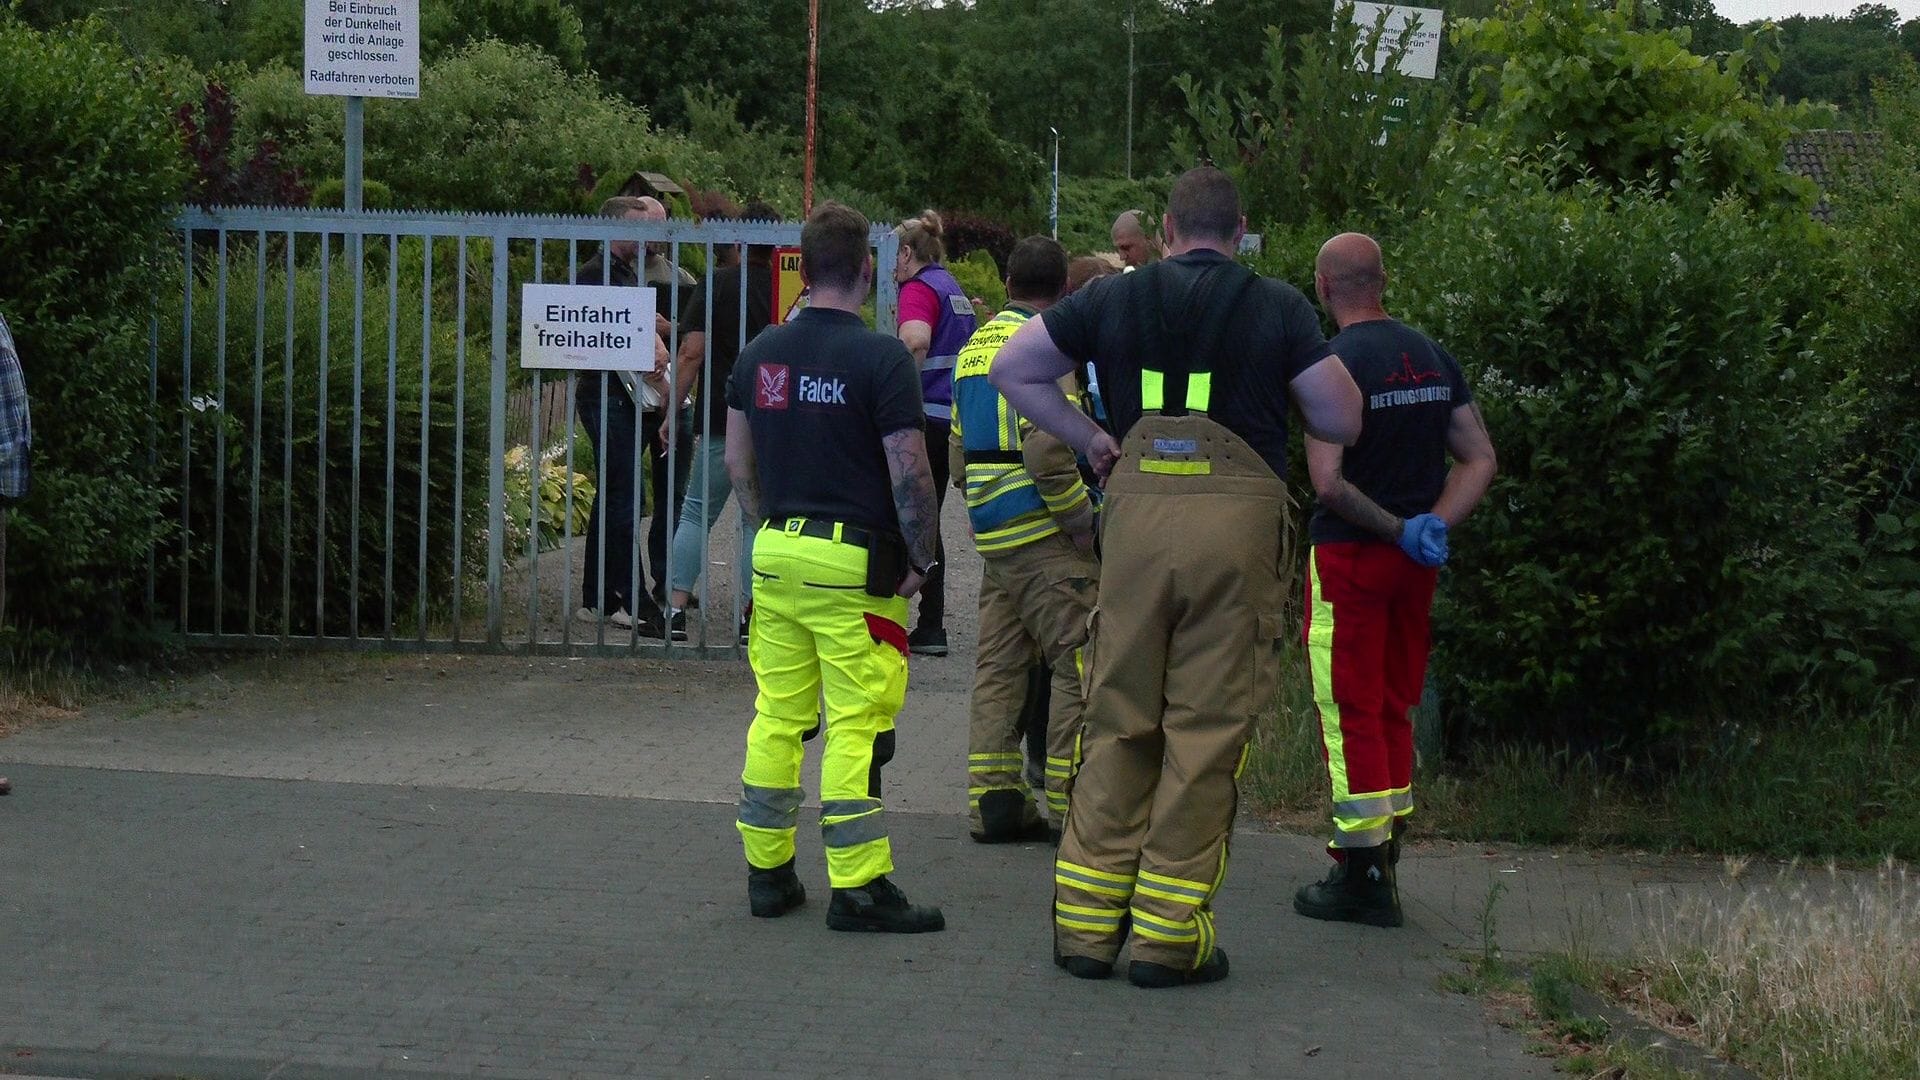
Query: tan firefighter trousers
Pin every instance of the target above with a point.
(1183, 656)
(1034, 599)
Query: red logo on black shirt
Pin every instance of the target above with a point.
(1406, 376)
(770, 390)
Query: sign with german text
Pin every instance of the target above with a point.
(788, 291)
(363, 48)
(586, 327)
(1422, 58)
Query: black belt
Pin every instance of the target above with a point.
(994, 457)
(824, 530)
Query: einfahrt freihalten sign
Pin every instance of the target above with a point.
(586, 327)
(363, 48)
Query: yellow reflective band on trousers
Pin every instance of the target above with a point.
(811, 642)
(1153, 391)
(1360, 818)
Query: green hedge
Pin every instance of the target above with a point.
(90, 170)
(295, 547)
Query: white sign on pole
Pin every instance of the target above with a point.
(1422, 58)
(586, 327)
(363, 48)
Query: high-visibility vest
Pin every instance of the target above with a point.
(1007, 508)
(955, 324)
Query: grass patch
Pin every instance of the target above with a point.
(1813, 978)
(1825, 783)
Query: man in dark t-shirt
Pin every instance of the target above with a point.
(1197, 359)
(824, 444)
(1379, 537)
(708, 487)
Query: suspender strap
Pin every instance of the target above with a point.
(1190, 346)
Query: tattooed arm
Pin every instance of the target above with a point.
(913, 499)
(741, 467)
(1338, 494)
(1474, 465)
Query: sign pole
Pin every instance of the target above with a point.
(356, 150)
(1053, 208)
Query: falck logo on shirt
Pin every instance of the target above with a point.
(771, 389)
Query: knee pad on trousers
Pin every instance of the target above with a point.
(882, 753)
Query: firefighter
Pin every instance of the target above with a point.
(1378, 538)
(825, 445)
(1197, 359)
(1032, 517)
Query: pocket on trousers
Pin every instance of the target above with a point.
(1088, 652)
(1266, 663)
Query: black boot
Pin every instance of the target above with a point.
(1150, 976)
(881, 907)
(773, 893)
(1393, 845)
(1007, 817)
(1082, 967)
(1359, 889)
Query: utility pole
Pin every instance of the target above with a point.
(1053, 211)
(1130, 27)
(813, 96)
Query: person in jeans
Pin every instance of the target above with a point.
(709, 486)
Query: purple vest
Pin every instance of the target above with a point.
(950, 334)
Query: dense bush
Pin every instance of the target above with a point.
(90, 170)
(499, 128)
(1664, 541)
(1088, 206)
(968, 233)
(301, 535)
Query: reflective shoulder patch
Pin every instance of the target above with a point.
(1175, 446)
(960, 304)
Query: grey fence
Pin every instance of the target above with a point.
(360, 461)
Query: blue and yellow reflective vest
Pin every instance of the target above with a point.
(1005, 503)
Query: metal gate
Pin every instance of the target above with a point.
(359, 460)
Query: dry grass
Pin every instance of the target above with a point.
(39, 693)
(1806, 977)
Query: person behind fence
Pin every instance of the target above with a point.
(672, 285)
(1032, 517)
(1198, 358)
(825, 441)
(608, 405)
(936, 318)
(708, 487)
(1379, 535)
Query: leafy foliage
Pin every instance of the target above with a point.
(89, 173)
(1625, 104)
(1293, 160)
(219, 177)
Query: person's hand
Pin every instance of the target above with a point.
(662, 326)
(1103, 453)
(1424, 539)
(910, 584)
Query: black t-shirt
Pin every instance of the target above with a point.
(724, 334)
(820, 391)
(1271, 337)
(1409, 387)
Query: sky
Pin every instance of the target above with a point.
(1741, 11)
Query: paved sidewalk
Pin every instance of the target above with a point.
(362, 866)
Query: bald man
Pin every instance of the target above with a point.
(1130, 239)
(1379, 536)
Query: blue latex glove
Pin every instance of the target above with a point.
(1424, 539)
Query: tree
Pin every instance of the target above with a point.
(1837, 59)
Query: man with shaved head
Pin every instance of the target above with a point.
(1199, 361)
(1130, 239)
(1379, 537)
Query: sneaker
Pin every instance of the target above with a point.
(773, 893)
(928, 641)
(879, 906)
(1150, 976)
(650, 625)
(677, 624)
(619, 618)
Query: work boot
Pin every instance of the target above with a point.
(1082, 967)
(1393, 846)
(1007, 817)
(1151, 976)
(773, 893)
(1359, 888)
(881, 907)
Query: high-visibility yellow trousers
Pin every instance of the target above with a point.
(1183, 658)
(817, 633)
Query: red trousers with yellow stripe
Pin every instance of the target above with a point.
(1367, 636)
